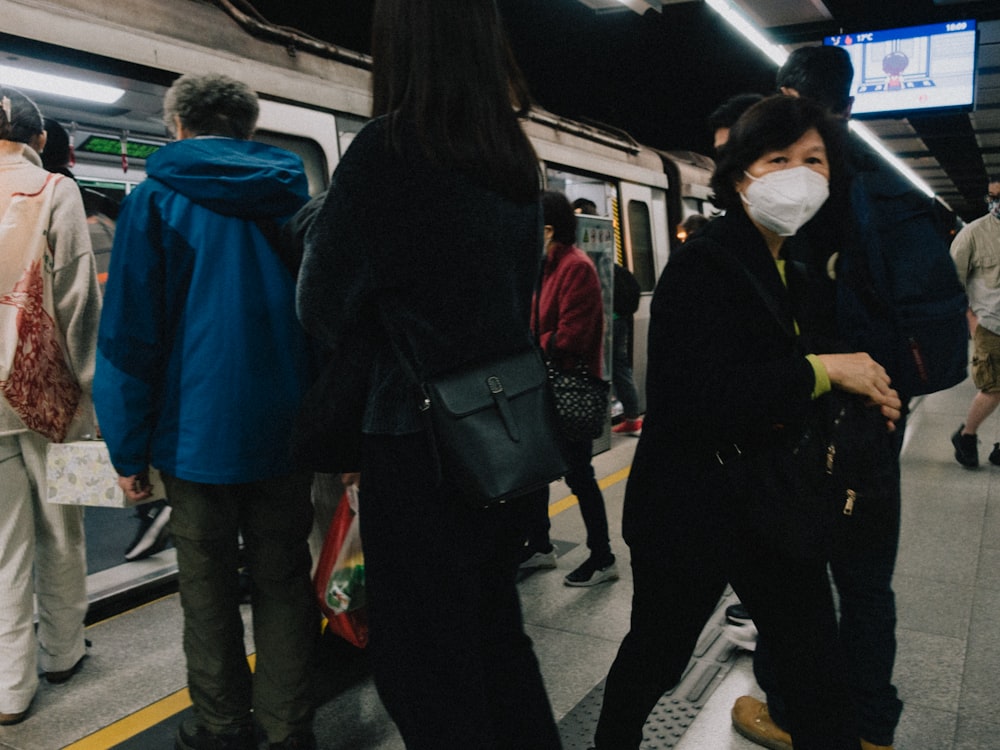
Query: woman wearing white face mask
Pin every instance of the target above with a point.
(723, 371)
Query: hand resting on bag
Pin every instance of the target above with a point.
(859, 373)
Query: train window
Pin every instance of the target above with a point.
(592, 194)
(310, 152)
(641, 236)
(348, 126)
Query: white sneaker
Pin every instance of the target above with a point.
(152, 535)
(743, 635)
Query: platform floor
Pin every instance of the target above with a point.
(131, 691)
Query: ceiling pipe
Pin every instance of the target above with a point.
(254, 23)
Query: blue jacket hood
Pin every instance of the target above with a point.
(244, 179)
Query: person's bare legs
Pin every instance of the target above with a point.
(982, 406)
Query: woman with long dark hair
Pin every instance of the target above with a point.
(429, 241)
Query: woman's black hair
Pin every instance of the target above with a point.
(559, 214)
(445, 68)
(25, 120)
(56, 156)
(770, 125)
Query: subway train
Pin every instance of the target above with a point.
(109, 65)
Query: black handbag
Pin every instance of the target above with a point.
(800, 488)
(581, 402)
(492, 427)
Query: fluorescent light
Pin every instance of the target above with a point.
(641, 6)
(735, 18)
(50, 84)
(872, 140)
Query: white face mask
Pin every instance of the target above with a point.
(994, 208)
(785, 199)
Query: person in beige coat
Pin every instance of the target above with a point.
(50, 307)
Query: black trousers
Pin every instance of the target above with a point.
(676, 591)
(451, 660)
(581, 480)
(862, 565)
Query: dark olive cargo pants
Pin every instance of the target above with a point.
(273, 517)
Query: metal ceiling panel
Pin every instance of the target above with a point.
(986, 119)
(906, 145)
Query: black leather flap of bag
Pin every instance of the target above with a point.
(478, 386)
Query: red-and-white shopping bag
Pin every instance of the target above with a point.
(340, 574)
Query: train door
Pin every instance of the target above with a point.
(645, 249)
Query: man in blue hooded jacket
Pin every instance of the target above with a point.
(201, 368)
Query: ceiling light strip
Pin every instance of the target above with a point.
(872, 140)
(735, 18)
(51, 84)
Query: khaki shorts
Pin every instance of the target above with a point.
(986, 360)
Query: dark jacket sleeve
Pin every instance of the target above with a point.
(333, 282)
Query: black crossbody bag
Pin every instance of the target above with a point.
(491, 424)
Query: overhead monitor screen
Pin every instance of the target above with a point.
(912, 69)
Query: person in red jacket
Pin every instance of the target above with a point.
(569, 323)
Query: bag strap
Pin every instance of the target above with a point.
(765, 295)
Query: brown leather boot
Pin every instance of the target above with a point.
(866, 745)
(752, 720)
(7, 720)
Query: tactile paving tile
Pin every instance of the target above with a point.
(673, 714)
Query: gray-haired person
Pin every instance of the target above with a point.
(202, 366)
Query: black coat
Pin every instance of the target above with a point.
(447, 262)
(722, 370)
